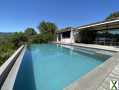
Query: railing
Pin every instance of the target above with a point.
(7, 66)
(108, 43)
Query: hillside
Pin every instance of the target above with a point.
(4, 34)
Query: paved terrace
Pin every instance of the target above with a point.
(94, 46)
(99, 78)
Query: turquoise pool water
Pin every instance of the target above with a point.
(52, 67)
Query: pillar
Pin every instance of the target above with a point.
(60, 37)
(72, 36)
(57, 37)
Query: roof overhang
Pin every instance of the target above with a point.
(65, 30)
(102, 25)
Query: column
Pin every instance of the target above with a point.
(72, 36)
(60, 37)
(57, 37)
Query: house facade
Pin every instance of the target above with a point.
(68, 35)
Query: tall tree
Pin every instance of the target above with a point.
(30, 31)
(47, 29)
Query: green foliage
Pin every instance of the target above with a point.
(113, 16)
(47, 31)
(34, 39)
(18, 39)
(30, 32)
(6, 49)
(13, 41)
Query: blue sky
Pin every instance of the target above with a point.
(17, 15)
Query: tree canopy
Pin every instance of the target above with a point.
(47, 30)
(113, 16)
(9, 43)
(30, 31)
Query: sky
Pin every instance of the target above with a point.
(17, 15)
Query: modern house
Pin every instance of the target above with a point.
(68, 35)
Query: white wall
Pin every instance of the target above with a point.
(67, 40)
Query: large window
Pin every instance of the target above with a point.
(66, 34)
(114, 31)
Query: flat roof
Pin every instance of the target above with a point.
(97, 26)
(65, 30)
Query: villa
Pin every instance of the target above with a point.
(65, 64)
(59, 45)
(68, 35)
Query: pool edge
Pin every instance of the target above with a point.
(94, 79)
(12, 74)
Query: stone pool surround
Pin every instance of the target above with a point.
(98, 78)
(95, 78)
(9, 70)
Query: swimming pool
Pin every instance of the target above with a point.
(52, 67)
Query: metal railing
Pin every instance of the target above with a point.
(108, 43)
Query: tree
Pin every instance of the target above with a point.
(9, 44)
(48, 30)
(18, 39)
(113, 16)
(30, 31)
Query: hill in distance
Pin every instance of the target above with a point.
(5, 34)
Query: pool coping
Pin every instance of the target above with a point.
(93, 80)
(14, 67)
(92, 46)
